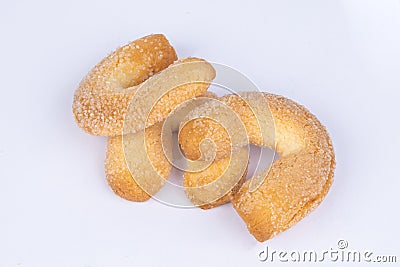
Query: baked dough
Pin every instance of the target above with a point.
(102, 102)
(278, 197)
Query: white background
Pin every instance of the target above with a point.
(340, 59)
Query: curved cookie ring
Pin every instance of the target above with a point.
(295, 183)
(102, 98)
(101, 101)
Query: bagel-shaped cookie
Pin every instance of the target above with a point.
(104, 96)
(280, 196)
(101, 100)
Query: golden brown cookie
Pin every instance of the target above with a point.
(134, 173)
(278, 197)
(102, 102)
